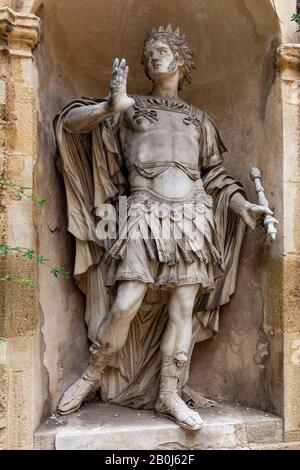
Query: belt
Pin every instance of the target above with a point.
(152, 169)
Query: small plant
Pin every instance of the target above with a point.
(296, 18)
(29, 253)
(22, 191)
(56, 271)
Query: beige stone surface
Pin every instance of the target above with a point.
(292, 385)
(63, 333)
(19, 306)
(284, 10)
(289, 72)
(3, 402)
(115, 428)
(22, 6)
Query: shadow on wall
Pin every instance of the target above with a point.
(234, 44)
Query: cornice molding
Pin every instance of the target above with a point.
(19, 32)
(288, 60)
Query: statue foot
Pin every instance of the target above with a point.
(73, 398)
(174, 408)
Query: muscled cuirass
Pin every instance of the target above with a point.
(161, 141)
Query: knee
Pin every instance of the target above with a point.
(184, 305)
(187, 311)
(186, 300)
(122, 311)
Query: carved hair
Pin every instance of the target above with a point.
(178, 45)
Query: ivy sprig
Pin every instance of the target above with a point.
(296, 18)
(32, 255)
(29, 253)
(23, 191)
(58, 271)
(19, 280)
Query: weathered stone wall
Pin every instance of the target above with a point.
(19, 316)
(64, 338)
(289, 77)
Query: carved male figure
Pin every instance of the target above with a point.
(169, 149)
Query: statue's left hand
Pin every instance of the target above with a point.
(253, 215)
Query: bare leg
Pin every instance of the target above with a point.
(114, 328)
(174, 348)
(111, 337)
(178, 334)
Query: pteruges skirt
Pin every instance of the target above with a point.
(166, 243)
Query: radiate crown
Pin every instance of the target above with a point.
(168, 32)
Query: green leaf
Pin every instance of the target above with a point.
(42, 260)
(59, 271)
(18, 193)
(16, 249)
(4, 249)
(27, 282)
(34, 196)
(28, 254)
(41, 203)
(6, 182)
(55, 272)
(2, 341)
(296, 17)
(7, 278)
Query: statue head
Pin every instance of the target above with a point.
(166, 53)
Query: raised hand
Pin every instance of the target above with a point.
(118, 99)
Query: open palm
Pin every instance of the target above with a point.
(118, 99)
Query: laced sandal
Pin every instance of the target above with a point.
(73, 398)
(89, 383)
(169, 404)
(169, 411)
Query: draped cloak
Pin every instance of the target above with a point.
(92, 164)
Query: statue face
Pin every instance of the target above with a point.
(161, 60)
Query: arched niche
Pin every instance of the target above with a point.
(234, 44)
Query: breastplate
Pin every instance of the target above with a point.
(146, 107)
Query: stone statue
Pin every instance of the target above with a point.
(149, 299)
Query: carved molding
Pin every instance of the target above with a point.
(288, 61)
(19, 32)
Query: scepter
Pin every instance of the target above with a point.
(255, 175)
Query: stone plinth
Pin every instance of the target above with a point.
(104, 427)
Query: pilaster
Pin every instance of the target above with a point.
(19, 33)
(288, 65)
